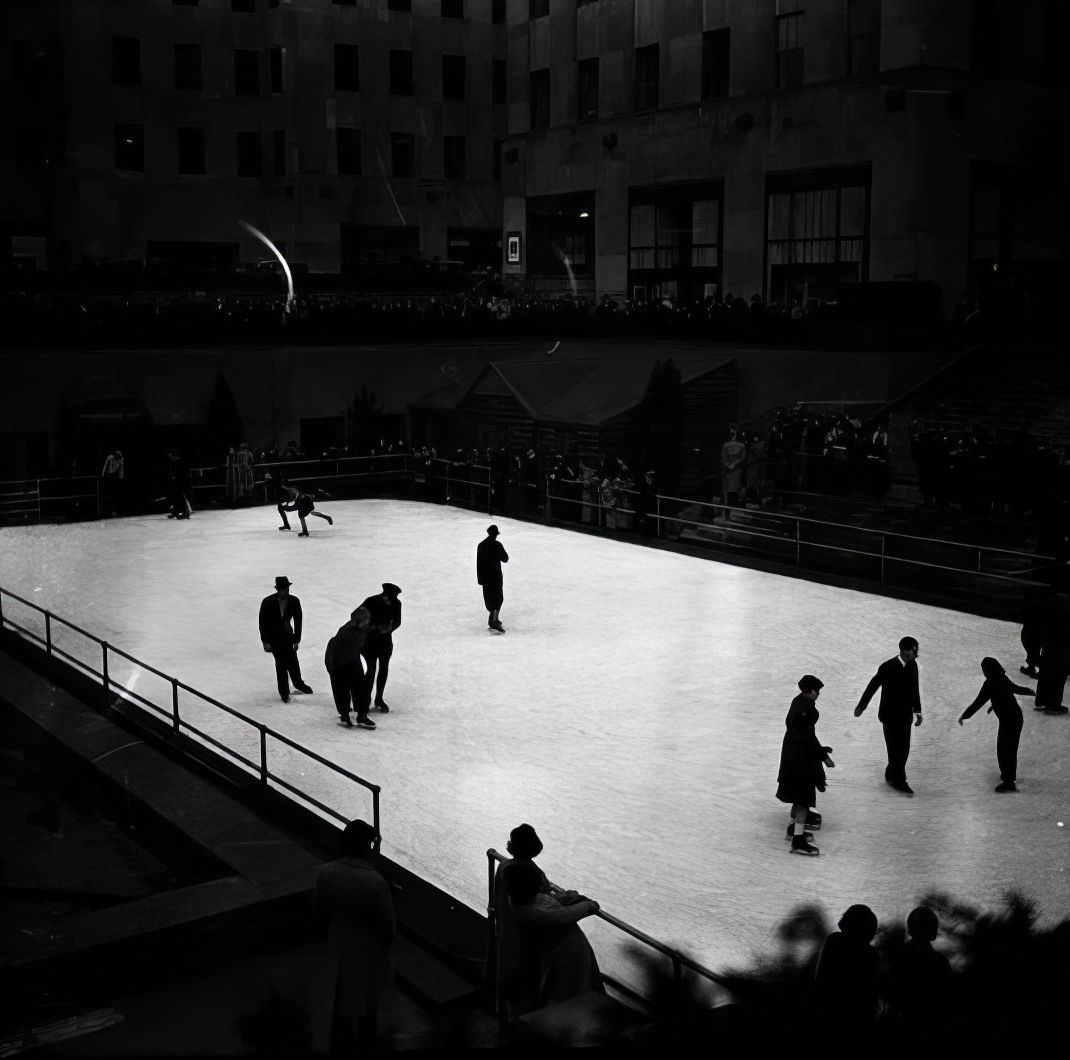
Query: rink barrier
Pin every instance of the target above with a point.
(796, 535)
(680, 961)
(28, 497)
(180, 725)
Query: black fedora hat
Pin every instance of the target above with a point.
(282, 582)
(391, 589)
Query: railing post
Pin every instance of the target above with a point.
(263, 756)
(104, 669)
(657, 516)
(884, 542)
(38, 483)
(48, 632)
(174, 703)
(798, 544)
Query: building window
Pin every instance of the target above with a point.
(125, 61)
(278, 152)
(188, 67)
(243, 7)
(674, 242)
(191, 151)
(399, 5)
(540, 99)
(344, 3)
(496, 161)
(183, 3)
(863, 37)
(538, 8)
(497, 11)
(452, 8)
(130, 147)
(346, 68)
(275, 82)
(816, 235)
(348, 141)
(453, 77)
(716, 59)
(403, 154)
(646, 77)
(498, 81)
(789, 50)
(250, 163)
(587, 89)
(584, 3)
(246, 72)
(454, 157)
(401, 83)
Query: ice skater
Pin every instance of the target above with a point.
(1000, 689)
(897, 679)
(345, 666)
(385, 611)
(178, 486)
(280, 633)
(802, 765)
(282, 495)
(490, 555)
(304, 505)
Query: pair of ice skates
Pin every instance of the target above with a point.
(802, 844)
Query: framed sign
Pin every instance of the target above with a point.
(512, 248)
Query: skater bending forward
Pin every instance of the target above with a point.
(1000, 689)
(802, 765)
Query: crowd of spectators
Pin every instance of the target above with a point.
(191, 316)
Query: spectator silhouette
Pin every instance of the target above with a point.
(356, 900)
(567, 966)
(1055, 648)
(845, 979)
(919, 982)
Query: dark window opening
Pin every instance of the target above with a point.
(540, 99)
(246, 72)
(403, 154)
(346, 68)
(401, 77)
(453, 77)
(716, 60)
(191, 151)
(348, 141)
(646, 77)
(587, 89)
(789, 50)
(125, 61)
(452, 8)
(538, 8)
(863, 37)
(250, 163)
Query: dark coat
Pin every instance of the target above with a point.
(280, 630)
(900, 696)
(385, 617)
(1001, 691)
(490, 555)
(802, 772)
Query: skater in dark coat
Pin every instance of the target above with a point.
(802, 764)
(490, 555)
(1054, 649)
(1000, 689)
(177, 486)
(280, 633)
(304, 505)
(385, 611)
(900, 705)
(1032, 629)
(345, 667)
(284, 497)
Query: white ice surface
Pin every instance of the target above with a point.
(633, 712)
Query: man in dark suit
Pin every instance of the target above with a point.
(384, 610)
(280, 633)
(900, 707)
(490, 555)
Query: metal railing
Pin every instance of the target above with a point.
(112, 690)
(883, 556)
(680, 961)
(30, 499)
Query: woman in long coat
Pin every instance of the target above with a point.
(802, 765)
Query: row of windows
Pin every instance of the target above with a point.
(448, 8)
(191, 152)
(189, 76)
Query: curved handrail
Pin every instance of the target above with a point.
(178, 722)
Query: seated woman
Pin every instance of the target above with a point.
(567, 964)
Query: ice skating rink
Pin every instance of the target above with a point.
(632, 713)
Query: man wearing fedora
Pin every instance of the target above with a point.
(280, 633)
(490, 555)
(384, 610)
